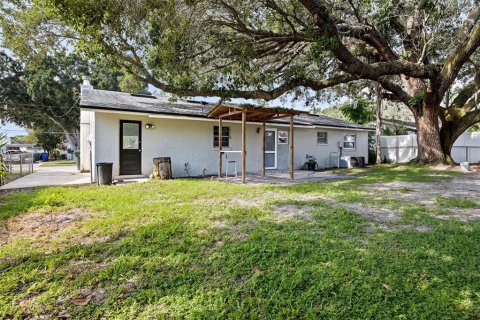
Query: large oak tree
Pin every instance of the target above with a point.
(42, 94)
(422, 53)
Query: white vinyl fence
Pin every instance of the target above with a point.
(404, 148)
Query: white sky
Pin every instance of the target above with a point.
(12, 130)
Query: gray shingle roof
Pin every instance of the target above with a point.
(120, 101)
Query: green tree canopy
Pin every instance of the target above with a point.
(42, 93)
(360, 111)
(49, 141)
(418, 51)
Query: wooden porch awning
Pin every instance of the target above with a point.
(253, 113)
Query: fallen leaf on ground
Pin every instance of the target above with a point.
(81, 301)
(386, 286)
(64, 315)
(256, 269)
(24, 303)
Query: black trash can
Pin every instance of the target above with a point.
(104, 173)
(77, 159)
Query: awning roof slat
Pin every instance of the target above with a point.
(253, 113)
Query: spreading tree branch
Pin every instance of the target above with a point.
(266, 95)
(466, 93)
(370, 36)
(460, 55)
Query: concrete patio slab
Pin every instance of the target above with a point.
(283, 177)
(49, 176)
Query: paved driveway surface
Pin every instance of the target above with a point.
(50, 176)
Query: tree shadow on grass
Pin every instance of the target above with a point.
(326, 267)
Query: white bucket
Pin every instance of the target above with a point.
(465, 166)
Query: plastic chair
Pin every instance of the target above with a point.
(230, 162)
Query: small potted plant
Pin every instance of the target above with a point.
(311, 163)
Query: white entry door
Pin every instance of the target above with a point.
(271, 149)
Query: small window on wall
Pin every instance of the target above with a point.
(322, 137)
(349, 141)
(282, 137)
(225, 136)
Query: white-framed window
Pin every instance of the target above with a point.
(322, 137)
(225, 136)
(349, 141)
(282, 137)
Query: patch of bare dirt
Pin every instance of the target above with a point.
(423, 228)
(93, 294)
(467, 187)
(246, 202)
(257, 201)
(80, 266)
(394, 228)
(242, 237)
(219, 224)
(378, 214)
(132, 284)
(464, 215)
(288, 212)
(36, 225)
(234, 232)
(207, 202)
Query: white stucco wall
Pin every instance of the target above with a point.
(190, 142)
(306, 143)
(87, 121)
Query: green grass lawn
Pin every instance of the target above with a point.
(58, 163)
(212, 250)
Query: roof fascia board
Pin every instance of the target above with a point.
(200, 118)
(162, 116)
(341, 128)
(133, 113)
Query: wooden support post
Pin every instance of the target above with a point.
(292, 162)
(21, 165)
(244, 141)
(220, 147)
(264, 133)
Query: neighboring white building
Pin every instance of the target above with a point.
(16, 147)
(130, 130)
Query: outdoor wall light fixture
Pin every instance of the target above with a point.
(149, 126)
(258, 130)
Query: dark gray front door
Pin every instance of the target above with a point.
(130, 147)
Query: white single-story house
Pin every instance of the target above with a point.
(130, 130)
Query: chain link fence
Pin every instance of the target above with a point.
(16, 165)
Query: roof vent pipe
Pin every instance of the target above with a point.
(86, 81)
(86, 85)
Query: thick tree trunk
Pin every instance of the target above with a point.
(448, 135)
(72, 139)
(451, 130)
(428, 135)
